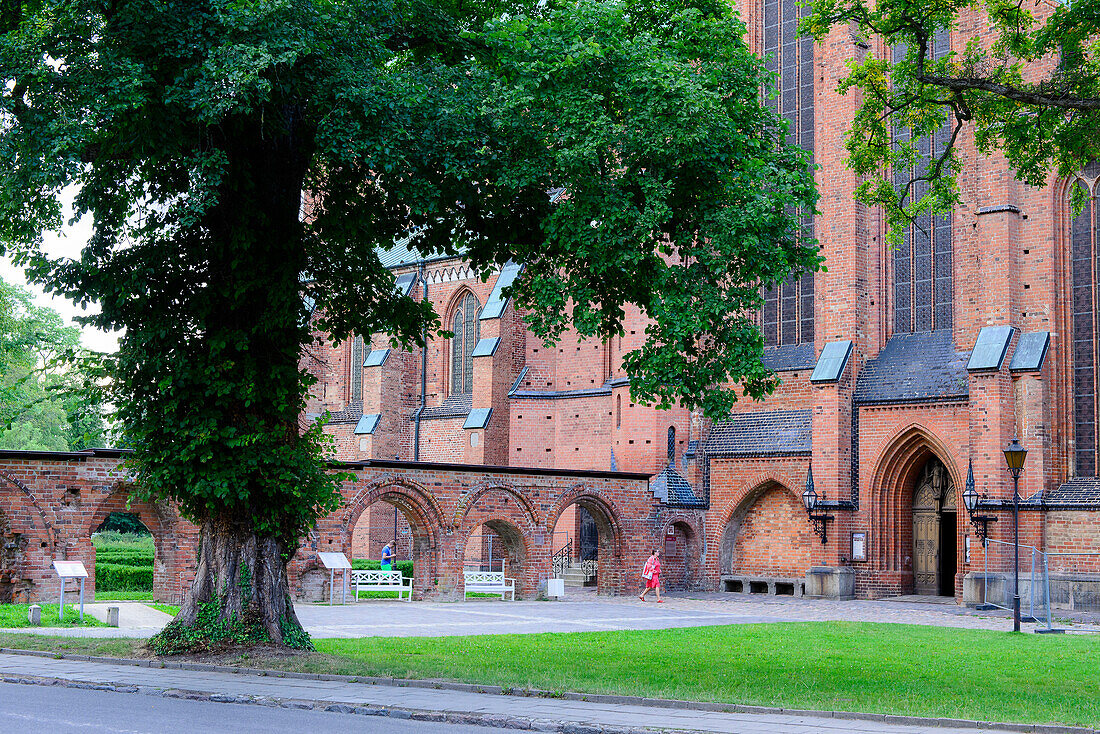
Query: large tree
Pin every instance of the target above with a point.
(192, 128)
(1028, 88)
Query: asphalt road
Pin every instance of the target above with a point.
(57, 710)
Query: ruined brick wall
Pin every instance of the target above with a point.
(51, 502)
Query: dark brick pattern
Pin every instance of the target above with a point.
(914, 367)
(763, 434)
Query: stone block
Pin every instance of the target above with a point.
(827, 582)
(34, 615)
(112, 616)
(978, 587)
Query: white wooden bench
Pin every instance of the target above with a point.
(382, 581)
(487, 582)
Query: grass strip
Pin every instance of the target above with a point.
(880, 668)
(15, 615)
(844, 666)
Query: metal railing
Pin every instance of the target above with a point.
(590, 563)
(562, 558)
(998, 583)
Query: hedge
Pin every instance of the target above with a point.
(125, 556)
(117, 577)
(369, 564)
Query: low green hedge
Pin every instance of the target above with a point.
(119, 577)
(125, 556)
(369, 564)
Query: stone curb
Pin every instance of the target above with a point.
(564, 727)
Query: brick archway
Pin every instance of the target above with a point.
(517, 546)
(470, 499)
(609, 572)
(169, 577)
(680, 567)
(420, 511)
(766, 534)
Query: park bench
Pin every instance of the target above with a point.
(487, 582)
(381, 581)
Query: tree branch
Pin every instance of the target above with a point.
(1039, 99)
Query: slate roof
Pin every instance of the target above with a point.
(402, 253)
(454, 406)
(915, 367)
(1080, 492)
(351, 414)
(789, 357)
(667, 485)
(762, 434)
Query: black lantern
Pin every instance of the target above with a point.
(809, 497)
(971, 500)
(810, 500)
(1015, 455)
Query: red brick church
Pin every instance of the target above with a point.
(901, 369)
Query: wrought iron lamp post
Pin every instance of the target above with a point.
(1015, 455)
(810, 500)
(970, 502)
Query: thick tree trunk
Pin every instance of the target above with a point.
(240, 596)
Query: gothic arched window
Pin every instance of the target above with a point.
(788, 316)
(923, 285)
(467, 330)
(672, 444)
(1084, 265)
(355, 369)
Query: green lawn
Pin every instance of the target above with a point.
(124, 595)
(915, 670)
(15, 615)
(883, 668)
(166, 608)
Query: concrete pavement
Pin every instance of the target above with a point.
(420, 700)
(586, 612)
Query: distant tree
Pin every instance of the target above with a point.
(192, 128)
(1032, 92)
(45, 401)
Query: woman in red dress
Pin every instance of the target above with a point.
(651, 574)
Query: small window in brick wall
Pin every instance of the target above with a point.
(672, 444)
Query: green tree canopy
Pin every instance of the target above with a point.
(193, 127)
(1031, 90)
(45, 403)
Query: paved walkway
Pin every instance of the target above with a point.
(465, 707)
(587, 612)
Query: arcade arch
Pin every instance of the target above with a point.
(680, 555)
(155, 519)
(594, 528)
(374, 515)
(767, 535)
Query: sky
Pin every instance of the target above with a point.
(68, 244)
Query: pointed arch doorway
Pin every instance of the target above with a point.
(934, 531)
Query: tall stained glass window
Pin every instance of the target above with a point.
(788, 316)
(467, 330)
(1084, 269)
(356, 369)
(923, 286)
